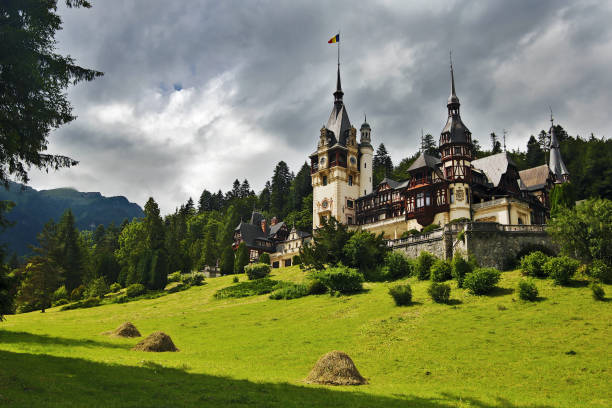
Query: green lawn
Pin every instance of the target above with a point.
(490, 351)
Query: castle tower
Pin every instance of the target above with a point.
(456, 155)
(335, 166)
(366, 155)
(556, 165)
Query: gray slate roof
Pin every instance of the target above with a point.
(339, 123)
(534, 178)
(425, 160)
(556, 162)
(494, 167)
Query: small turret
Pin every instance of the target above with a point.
(556, 165)
(365, 133)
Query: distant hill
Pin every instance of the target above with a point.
(34, 208)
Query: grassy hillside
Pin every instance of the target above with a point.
(34, 208)
(493, 351)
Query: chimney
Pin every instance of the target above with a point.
(263, 225)
(273, 221)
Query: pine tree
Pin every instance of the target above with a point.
(300, 187)
(205, 202)
(280, 190)
(41, 277)
(241, 258)
(535, 154)
(153, 225)
(189, 207)
(263, 200)
(71, 256)
(382, 165)
(245, 189)
(429, 146)
(227, 261)
(495, 144)
(153, 270)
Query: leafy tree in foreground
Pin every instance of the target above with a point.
(327, 246)
(227, 261)
(41, 277)
(33, 80)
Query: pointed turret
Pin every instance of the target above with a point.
(338, 121)
(338, 94)
(556, 165)
(454, 131)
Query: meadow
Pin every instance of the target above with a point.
(477, 351)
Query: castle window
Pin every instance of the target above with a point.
(350, 180)
(428, 199)
(350, 221)
(452, 195)
(420, 200)
(349, 203)
(365, 165)
(324, 180)
(457, 150)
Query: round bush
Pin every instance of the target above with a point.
(60, 293)
(423, 264)
(235, 280)
(257, 270)
(599, 271)
(315, 286)
(97, 288)
(340, 279)
(527, 290)
(460, 268)
(533, 264)
(60, 302)
(402, 294)
(439, 292)
(264, 258)
(598, 292)
(440, 271)
(397, 265)
(174, 277)
(135, 289)
(561, 269)
(115, 287)
(197, 279)
(481, 281)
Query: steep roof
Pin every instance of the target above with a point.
(339, 123)
(494, 166)
(424, 160)
(535, 177)
(392, 183)
(556, 162)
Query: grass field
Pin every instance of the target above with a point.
(490, 351)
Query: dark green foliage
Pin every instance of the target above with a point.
(82, 304)
(535, 154)
(527, 290)
(290, 291)
(235, 280)
(561, 269)
(296, 260)
(197, 279)
(460, 268)
(382, 165)
(533, 264)
(70, 254)
(423, 264)
(33, 83)
(340, 279)
(327, 246)
(402, 294)
(439, 292)
(158, 274)
(280, 189)
(397, 265)
(227, 261)
(97, 288)
(264, 258)
(429, 228)
(60, 302)
(248, 288)
(241, 258)
(365, 251)
(6, 297)
(562, 196)
(315, 286)
(597, 291)
(60, 293)
(585, 232)
(440, 271)
(257, 271)
(481, 281)
(599, 271)
(115, 287)
(77, 293)
(174, 277)
(135, 290)
(41, 279)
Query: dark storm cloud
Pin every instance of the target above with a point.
(196, 94)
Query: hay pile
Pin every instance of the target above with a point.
(335, 368)
(157, 342)
(127, 329)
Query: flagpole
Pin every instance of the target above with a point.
(338, 48)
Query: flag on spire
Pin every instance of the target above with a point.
(334, 39)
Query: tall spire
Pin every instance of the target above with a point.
(338, 94)
(452, 99)
(556, 165)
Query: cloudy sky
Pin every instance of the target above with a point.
(197, 93)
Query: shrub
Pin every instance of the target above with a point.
(83, 304)
(423, 264)
(340, 279)
(461, 236)
(174, 277)
(264, 258)
(439, 292)
(402, 294)
(481, 281)
(197, 279)
(97, 288)
(115, 287)
(60, 302)
(527, 290)
(134, 290)
(77, 293)
(235, 280)
(377, 273)
(248, 288)
(296, 260)
(598, 292)
(290, 291)
(257, 270)
(429, 228)
(561, 269)
(599, 271)
(186, 279)
(533, 264)
(397, 266)
(315, 286)
(60, 293)
(440, 271)
(460, 268)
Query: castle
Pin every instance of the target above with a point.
(454, 186)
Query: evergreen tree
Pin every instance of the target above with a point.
(189, 207)
(218, 201)
(153, 269)
(245, 189)
(562, 196)
(535, 154)
(153, 225)
(41, 277)
(241, 258)
(71, 256)
(280, 190)
(429, 146)
(263, 201)
(6, 297)
(227, 261)
(235, 191)
(205, 202)
(382, 165)
(301, 186)
(495, 144)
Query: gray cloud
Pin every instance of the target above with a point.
(256, 80)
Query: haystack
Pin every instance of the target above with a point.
(157, 342)
(127, 329)
(335, 368)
